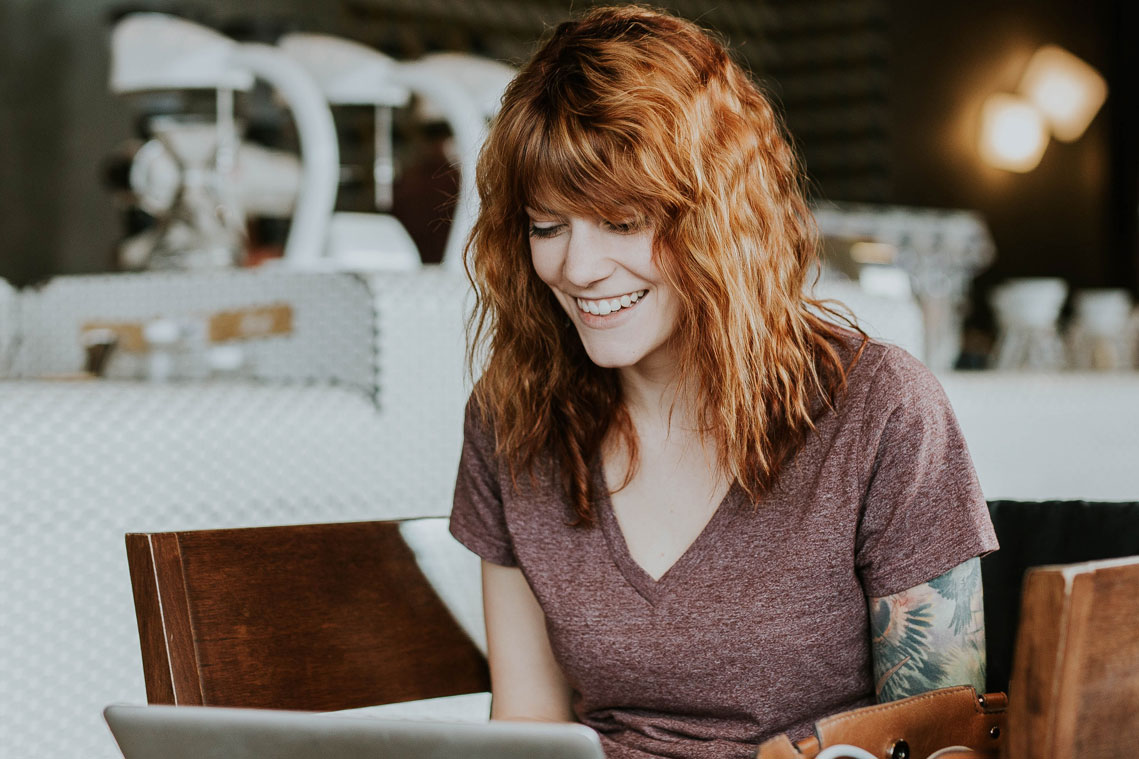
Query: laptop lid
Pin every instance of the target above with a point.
(195, 732)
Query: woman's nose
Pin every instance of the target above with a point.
(586, 259)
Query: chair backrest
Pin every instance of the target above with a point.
(1075, 684)
(311, 617)
(1038, 533)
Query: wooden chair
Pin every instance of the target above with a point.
(1033, 534)
(1075, 686)
(310, 617)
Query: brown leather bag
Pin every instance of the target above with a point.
(953, 723)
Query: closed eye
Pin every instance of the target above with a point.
(624, 227)
(543, 232)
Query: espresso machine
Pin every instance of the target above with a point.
(195, 174)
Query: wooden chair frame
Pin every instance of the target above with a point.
(311, 617)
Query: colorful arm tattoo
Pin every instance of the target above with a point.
(930, 636)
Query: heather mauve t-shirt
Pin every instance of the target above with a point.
(761, 626)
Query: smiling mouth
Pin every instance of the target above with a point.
(606, 306)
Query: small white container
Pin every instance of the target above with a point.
(1101, 336)
(1027, 311)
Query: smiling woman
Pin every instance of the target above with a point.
(694, 487)
(603, 274)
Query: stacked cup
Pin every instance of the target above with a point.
(1102, 336)
(1027, 312)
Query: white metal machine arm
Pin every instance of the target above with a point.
(468, 125)
(320, 153)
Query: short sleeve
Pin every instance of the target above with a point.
(478, 520)
(923, 511)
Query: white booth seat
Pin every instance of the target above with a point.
(85, 463)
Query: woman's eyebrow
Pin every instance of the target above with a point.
(530, 211)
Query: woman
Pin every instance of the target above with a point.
(707, 512)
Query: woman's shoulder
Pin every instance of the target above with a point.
(883, 379)
(482, 430)
(479, 427)
(886, 369)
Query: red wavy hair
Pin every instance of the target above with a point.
(631, 108)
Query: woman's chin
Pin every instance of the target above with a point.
(608, 357)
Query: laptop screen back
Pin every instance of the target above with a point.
(188, 732)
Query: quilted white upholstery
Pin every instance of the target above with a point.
(331, 341)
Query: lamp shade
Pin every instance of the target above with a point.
(1067, 91)
(1013, 133)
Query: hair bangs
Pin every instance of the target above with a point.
(566, 166)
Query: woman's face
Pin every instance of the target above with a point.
(602, 272)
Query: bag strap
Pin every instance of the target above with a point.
(913, 728)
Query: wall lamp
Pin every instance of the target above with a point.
(1058, 96)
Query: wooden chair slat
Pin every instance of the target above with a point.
(311, 617)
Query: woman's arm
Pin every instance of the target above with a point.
(930, 636)
(526, 682)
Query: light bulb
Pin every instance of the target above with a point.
(1013, 133)
(1067, 91)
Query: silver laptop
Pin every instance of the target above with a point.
(193, 732)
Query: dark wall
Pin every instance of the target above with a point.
(1073, 216)
(35, 56)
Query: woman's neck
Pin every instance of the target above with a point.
(656, 399)
(666, 424)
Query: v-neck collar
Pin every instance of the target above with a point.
(655, 591)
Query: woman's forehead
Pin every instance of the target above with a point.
(603, 202)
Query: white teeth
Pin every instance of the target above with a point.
(606, 307)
